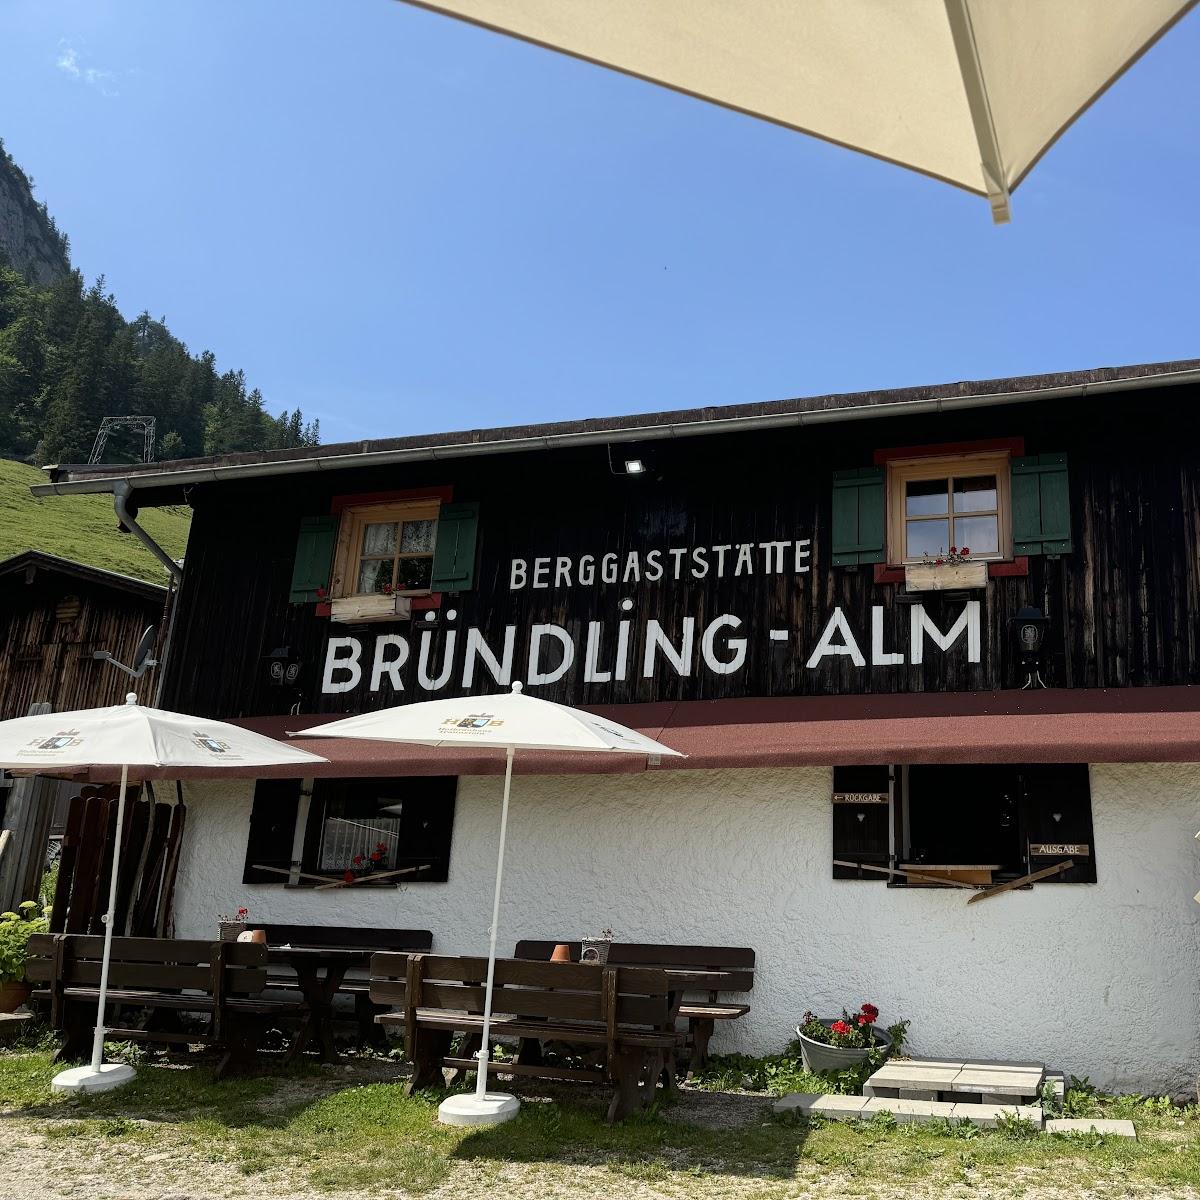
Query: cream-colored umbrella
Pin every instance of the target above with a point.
(972, 92)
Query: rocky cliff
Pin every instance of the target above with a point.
(29, 239)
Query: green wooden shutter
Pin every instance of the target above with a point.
(314, 558)
(1041, 504)
(454, 550)
(858, 517)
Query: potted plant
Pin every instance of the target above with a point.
(840, 1043)
(595, 949)
(16, 928)
(955, 569)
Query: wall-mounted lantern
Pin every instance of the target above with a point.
(1029, 635)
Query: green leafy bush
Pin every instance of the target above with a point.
(16, 928)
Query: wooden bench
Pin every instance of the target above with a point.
(619, 1016)
(342, 937)
(159, 976)
(709, 970)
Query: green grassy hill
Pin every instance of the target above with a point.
(83, 528)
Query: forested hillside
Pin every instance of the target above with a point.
(69, 358)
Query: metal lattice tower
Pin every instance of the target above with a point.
(143, 424)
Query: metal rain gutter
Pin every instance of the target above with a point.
(121, 492)
(185, 476)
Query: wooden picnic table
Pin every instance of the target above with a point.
(320, 972)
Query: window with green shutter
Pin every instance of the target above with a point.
(454, 550)
(858, 517)
(314, 558)
(1041, 505)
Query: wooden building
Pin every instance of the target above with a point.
(939, 630)
(55, 615)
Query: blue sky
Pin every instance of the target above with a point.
(402, 224)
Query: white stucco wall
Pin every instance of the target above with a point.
(1099, 980)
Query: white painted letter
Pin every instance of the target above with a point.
(735, 644)
(541, 569)
(535, 675)
(334, 661)
(680, 659)
(518, 575)
(848, 646)
(968, 622)
(608, 568)
(390, 667)
(443, 678)
(587, 570)
(591, 654)
(477, 648)
(879, 656)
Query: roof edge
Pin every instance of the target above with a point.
(77, 479)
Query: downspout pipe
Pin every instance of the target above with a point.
(121, 493)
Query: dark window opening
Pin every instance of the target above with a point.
(1007, 821)
(387, 831)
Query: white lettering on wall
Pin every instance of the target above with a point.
(535, 675)
(736, 647)
(657, 640)
(920, 624)
(336, 661)
(837, 626)
(382, 665)
(518, 575)
(591, 656)
(879, 656)
(478, 649)
(443, 676)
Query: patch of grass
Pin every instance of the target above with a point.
(776, 1074)
(321, 1131)
(83, 528)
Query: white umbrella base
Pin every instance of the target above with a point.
(493, 1108)
(84, 1079)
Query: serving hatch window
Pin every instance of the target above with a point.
(385, 831)
(971, 824)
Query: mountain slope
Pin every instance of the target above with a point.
(83, 528)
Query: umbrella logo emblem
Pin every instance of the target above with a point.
(59, 741)
(212, 744)
(474, 721)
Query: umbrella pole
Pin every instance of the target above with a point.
(485, 1050)
(109, 920)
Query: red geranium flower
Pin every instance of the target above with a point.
(376, 856)
(937, 562)
(965, 551)
(381, 846)
(870, 1012)
(840, 1027)
(952, 550)
(349, 876)
(242, 912)
(357, 860)
(321, 593)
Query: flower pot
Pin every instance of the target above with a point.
(819, 1058)
(230, 931)
(595, 950)
(562, 953)
(13, 993)
(257, 936)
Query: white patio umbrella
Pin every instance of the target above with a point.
(511, 722)
(971, 92)
(148, 743)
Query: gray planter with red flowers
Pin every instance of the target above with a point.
(819, 1057)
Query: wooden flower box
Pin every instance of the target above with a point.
(920, 577)
(356, 610)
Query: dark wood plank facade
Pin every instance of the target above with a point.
(53, 615)
(1124, 605)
